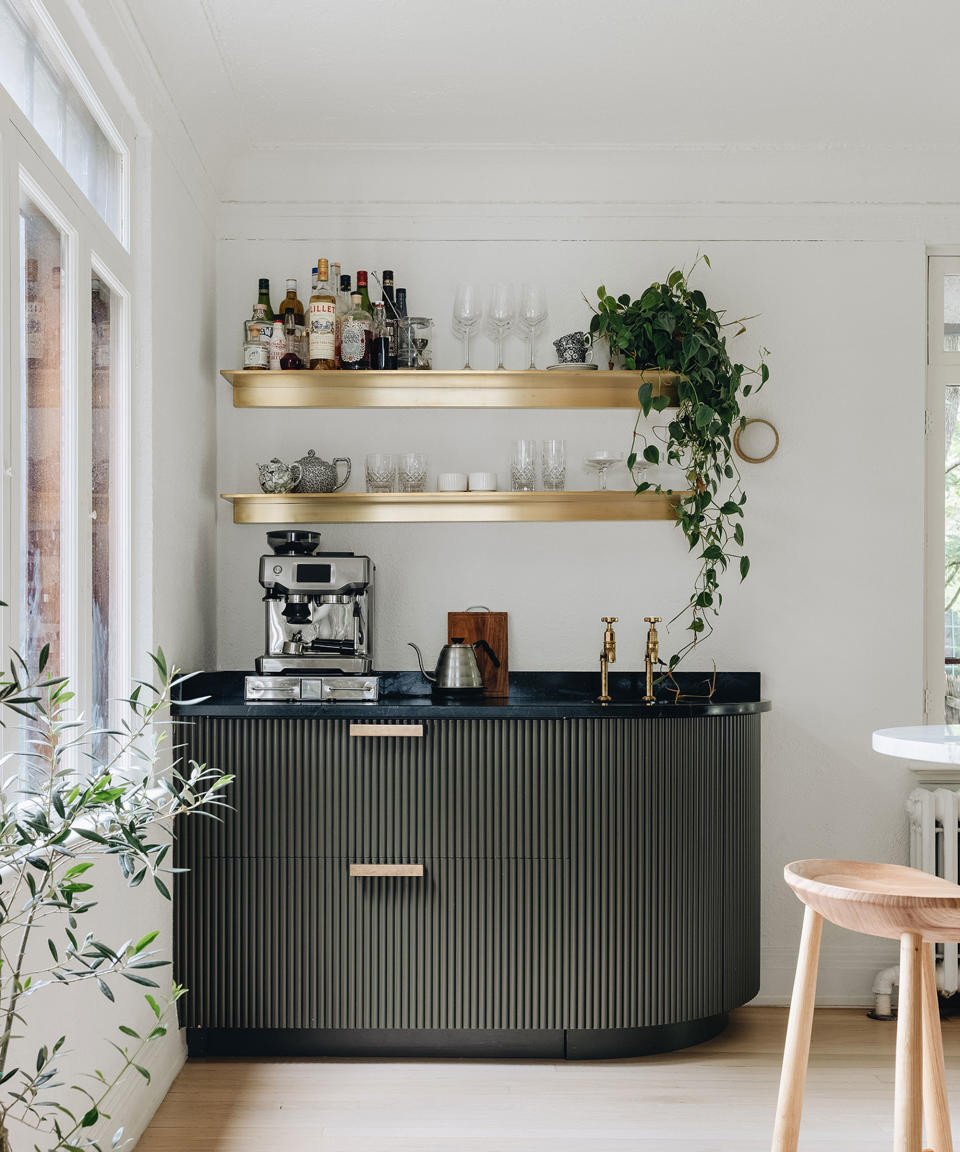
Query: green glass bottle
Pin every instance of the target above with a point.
(364, 294)
(264, 298)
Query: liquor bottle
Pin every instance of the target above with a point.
(344, 308)
(364, 294)
(321, 322)
(291, 301)
(278, 343)
(313, 280)
(406, 351)
(380, 348)
(292, 340)
(401, 303)
(334, 274)
(264, 298)
(356, 336)
(391, 316)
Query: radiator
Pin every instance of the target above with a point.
(934, 841)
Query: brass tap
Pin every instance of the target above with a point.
(652, 655)
(607, 657)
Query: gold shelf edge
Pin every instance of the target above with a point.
(450, 507)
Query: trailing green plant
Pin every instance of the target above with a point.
(79, 804)
(671, 327)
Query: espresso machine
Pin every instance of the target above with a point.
(319, 623)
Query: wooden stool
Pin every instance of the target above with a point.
(901, 904)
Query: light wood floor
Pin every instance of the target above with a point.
(717, 1096)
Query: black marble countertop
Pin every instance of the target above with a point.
(543, 695)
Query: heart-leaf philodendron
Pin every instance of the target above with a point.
(671, 327)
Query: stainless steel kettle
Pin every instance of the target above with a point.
(457, 668)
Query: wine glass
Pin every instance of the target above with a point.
(501, 314)
(467, 314)
(532, 314)
(603, 460)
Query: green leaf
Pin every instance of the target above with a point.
(90, 1118)
(105, 989)
(764, 374)
(145, 941)
(161, 887)
(738, 533)
(651, 454)
(129, 1031)
(157, 1010)
(143, 1072)
(744, 567)
(704, 416)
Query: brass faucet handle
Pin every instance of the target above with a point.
(610, 619)
(652, 619)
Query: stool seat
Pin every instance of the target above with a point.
(878, 899)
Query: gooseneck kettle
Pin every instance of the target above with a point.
(457, 669)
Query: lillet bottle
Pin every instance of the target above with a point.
(321, 322)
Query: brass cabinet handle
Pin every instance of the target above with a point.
(386, 729)
(386, 869)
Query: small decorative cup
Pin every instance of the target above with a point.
(554, 465)
(381, 472)
(412, 472)
(523, 466)
(452, 482)
(574, 348)
(482, 481)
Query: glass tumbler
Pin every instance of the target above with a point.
(412, 472)
(523, 466)
(553, 461)
(381, 472)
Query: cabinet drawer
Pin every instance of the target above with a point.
(328, 788)
(303, 944)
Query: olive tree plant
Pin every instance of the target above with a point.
(79, 805)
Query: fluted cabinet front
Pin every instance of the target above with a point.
(577, 874)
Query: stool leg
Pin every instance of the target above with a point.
(786, 1132)
(908, 1114)
(936, 1106)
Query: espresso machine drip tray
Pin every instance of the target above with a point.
(310, 689)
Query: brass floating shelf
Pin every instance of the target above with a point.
(449, 507)
(534, 388)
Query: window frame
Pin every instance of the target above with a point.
(93, 248)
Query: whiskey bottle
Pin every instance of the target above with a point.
(356, 336)
(291, 300)
(364, 293)
(321, 322)
(380, 348)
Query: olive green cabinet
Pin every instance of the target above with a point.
(584, 887)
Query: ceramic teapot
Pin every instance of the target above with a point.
(320, 475)
(277, 477)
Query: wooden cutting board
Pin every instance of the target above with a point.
(489, 626)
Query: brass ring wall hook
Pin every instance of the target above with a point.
(756, 459)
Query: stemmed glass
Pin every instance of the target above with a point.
(532, 314)
(603, 460)
(501, 314)
(467, 314)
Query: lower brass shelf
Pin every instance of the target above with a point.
(449, 507)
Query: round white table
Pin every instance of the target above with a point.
(935, 743)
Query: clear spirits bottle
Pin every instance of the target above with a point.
(356, 336)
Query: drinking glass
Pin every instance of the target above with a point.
(532, 314)
(603, 460)
(381, 472)
(412, 472)
(523, 466)
(553, 457)
(501, 314)
(467, 314)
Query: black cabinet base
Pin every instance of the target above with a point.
(447, 1043)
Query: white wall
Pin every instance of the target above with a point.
(831, 612)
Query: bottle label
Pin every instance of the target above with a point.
(278, 347)
(255, 354)
(266, 331)
(320, 321)
(259, 312)
(353, 341)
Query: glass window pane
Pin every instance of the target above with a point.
(951, 313)
(41, 87)
(102, 440)
(42, 261)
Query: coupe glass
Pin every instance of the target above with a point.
(603, 461)
(501, 315)
(532, 314)
(467, 314)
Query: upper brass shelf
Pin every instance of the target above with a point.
(538, 388)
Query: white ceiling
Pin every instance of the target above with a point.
(789, 73)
